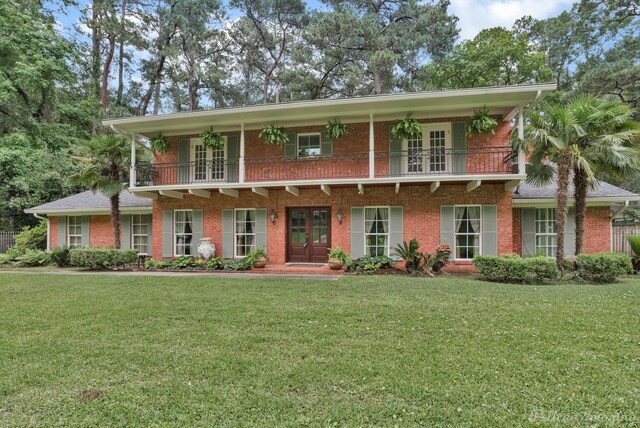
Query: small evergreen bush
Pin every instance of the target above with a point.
(102, 258)
(32, 238)
(60, 256)
(603, 268)
(515, 269)
(370, 265)
(33, 258)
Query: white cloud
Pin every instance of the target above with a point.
(476, 15)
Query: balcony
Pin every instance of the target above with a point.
(354, 166)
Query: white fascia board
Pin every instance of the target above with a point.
(463, 179)
(601, 201)
(90, 211)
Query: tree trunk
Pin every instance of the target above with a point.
(265, 90)
(115, 219)
(564, 168)
(377, 83)
(104, 79)
(580, 185)
(95, 49)
(156, 97)
(123, 17)
(144, 102)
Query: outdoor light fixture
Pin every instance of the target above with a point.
(340, 215)
(273, 216)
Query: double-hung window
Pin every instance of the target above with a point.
(140, 233)
(546, 239)
(376, 231)
(245, 231)
(309, 145)
(74, 231)
(183, 232)
(467, 230)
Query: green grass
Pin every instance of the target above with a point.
(198, 351)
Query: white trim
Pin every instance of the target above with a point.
(89, 211)
(426, 149)
(535, 229)
(149, 225)
(308, 134)
(455, 233)
(208, 152)
(68, 239)
(600, 201)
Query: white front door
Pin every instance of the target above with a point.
(207, 164)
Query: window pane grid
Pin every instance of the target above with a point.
(183, 226)
(376, 231)
(546, 229)
(140, 233)
(74, 231)
(309, 145)
(245, 232)
(437, 145)
(467, 230)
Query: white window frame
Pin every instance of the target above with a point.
(456, 234)
(547, 234)
(193, 142)
(426, 158)
(137, 235)
(366, 233)
(308, 134)
(69, 235)
(235, 231)
(175, 235)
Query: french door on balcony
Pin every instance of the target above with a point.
(430, 153)
(309, 234)
(206, 164)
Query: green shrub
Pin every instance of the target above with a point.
(32, 258)
(410, 253)
(183, 263)
(253, 256)
(501, 268)
(603, 268)
(10, 256)
(215, 263)
(102, 258)
(60, 256)
(370, 265)
(339, 254)
(157, 264)
(239, 264)
(32, 238)
(542, 268)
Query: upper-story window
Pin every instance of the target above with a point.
(207, 164)
(309, 144)
(430, 152)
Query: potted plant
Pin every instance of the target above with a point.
(481, 123)
(159, 143)
(274, 135)
(336, 129)
(212, 139)
(258, 258)
(407, 128)
(338, 258)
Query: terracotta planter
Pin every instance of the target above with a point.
(260, 263)
(335, 264)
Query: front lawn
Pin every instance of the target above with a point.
(97, 350)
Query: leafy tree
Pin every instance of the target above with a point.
(496, 56)
(107, 159)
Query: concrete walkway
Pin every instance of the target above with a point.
(213, 274)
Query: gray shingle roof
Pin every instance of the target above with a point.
(603, 190)
(90, 201)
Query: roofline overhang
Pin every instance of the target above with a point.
(356, 106)
(93, 211)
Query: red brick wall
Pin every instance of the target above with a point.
(597, 230)
(53, 237)
(355, 142)
(100, 231)
(421, 212)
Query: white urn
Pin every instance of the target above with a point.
(206, 249)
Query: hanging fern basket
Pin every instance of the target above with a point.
(159, 144)
(407, 128)
(274, 135)
(336, 129)
(212, 140)
(481, 123)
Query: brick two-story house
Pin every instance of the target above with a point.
(365, 192)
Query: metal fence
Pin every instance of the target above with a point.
(7, 239)
(619, 230)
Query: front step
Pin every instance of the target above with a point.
(300, 268)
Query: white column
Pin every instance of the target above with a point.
(371, 148)
(132, 172)
(521, 160)
(241, 178)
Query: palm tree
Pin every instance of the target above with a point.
(578, 137)
(610, 145)
(108, 158)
